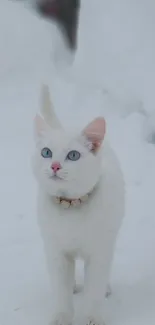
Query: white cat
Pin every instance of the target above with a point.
(80, 209)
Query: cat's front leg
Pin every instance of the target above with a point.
(97, 271)
(61, 269)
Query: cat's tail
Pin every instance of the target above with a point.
(47, 109)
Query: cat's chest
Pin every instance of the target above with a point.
(70, 228)
(60, 219)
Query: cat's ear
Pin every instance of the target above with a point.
(95, 132)
(47, 108)
(40, 126)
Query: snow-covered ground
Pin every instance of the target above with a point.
(26, 45)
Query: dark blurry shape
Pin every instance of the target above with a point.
(151, 138)
(66, 13)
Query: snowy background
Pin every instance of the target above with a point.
(31, 51)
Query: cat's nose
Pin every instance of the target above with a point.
(56, 166)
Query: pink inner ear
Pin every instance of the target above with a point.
(96, 129)
(95, 132)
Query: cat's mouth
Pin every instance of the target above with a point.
(55, 177)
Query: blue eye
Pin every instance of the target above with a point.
(73, 155)
(46, 153)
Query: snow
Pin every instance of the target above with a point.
(27, 46)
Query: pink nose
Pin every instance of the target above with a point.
(56, 166)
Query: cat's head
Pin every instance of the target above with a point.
(65, 164)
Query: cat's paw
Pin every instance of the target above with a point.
(92, 320)
(61, 318)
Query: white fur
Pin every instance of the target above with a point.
(88, 232)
